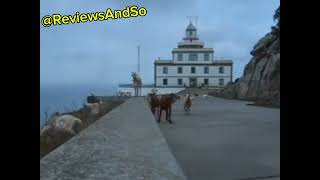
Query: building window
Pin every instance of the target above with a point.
(179, 57)
(206, 82)
(165, 70)
(165, 81)
(179, 81)
(221, 69)
(206, 70)
(193, 57)
(179, 70)
(221, 82)
(206, 57)
(193, 70)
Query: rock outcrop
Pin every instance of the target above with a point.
(67, 124)
(94, 108)
(60, 129)
(261, 78)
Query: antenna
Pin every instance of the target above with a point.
(190, 19)
(196, 17)
(139, 59)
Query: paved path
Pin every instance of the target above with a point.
(225, 140)
(125, 144)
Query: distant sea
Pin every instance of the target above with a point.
(63, 98)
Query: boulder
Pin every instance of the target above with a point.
(58, 131)
(94, 108)
(65, 123)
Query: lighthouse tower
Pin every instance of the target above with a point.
(191, 39)
(192, 65)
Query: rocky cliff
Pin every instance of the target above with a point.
(260, 81)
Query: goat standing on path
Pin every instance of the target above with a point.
(187, 104)
(137, 83)
(154, 103)
(166, 102)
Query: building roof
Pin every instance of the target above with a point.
(223, 61)
(163, 62)
(214, 62)
(192, 50)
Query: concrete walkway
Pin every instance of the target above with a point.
(225, 140)
(125, 144)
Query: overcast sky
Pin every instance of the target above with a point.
(105, 52)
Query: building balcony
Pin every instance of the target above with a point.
(191, 44)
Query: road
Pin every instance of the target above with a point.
(225, 140)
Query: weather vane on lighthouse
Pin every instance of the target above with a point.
(195, 18)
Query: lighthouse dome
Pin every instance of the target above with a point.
(191, 27)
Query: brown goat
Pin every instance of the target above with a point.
(187, 104)
(154, 103)
(166, 102)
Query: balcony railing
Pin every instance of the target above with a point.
(191, 43)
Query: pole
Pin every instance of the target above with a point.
(196, 17)
(139, 59)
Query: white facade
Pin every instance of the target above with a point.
(213, 70)
(148, 90)
(185, 56)
(192, 65)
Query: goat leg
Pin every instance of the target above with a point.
(159, 117)
(169, 116)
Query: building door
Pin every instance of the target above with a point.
(193, 82)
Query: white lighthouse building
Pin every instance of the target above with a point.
(192, 65)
